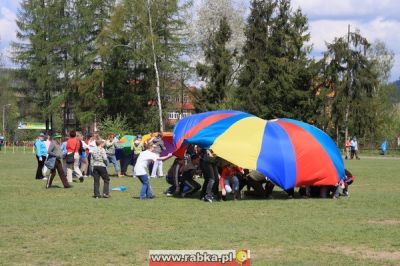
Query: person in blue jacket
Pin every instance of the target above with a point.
(41, 155)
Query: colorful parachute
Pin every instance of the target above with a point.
(289, 152)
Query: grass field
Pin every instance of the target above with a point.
(68, 227)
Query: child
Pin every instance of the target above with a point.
(99, 159)
(189, 185)
(141, 167)
(229, 181)
(174, 177)
(344, 184)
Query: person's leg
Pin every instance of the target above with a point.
(59, 167)
(84, 166)
(77, 170)
(96, 181)
(160, 170)
(144, 179)
(259, 191)
(112, 159)
(70, 169)
(124, 163)
(51, 177)
(39, 174)
(106, 180)
(154, 169)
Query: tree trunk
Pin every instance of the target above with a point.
(155, 68)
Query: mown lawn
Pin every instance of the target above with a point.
(68, 227)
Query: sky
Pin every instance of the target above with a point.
(376, 19)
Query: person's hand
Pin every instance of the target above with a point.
(40, 159)
(169, 154)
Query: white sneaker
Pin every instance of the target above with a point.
(44, 178)
(169, 194)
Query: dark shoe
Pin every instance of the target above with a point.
(106, 196)
(96, 197)
(81, 179)
(69, 186)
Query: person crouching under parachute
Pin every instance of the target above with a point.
(189, 186)
(344, 185)
(229, 181)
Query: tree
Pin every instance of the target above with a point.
(39, 33)
(275, 80)
(353, 80)
(383, 60)
(217, 71)
(206, 23)
(129, 34)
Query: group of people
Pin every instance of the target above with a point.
(222, 179)
(76, 158)
(351, 146)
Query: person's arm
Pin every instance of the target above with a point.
(51, 150)
(163, 158)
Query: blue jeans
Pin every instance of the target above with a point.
(234, 181)
(112, 159)
(146, 191)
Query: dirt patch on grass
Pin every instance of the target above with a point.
(365, 253)
(385, 222)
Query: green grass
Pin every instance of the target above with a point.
(67, 227)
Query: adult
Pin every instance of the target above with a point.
(347, 145)
(55, 154)
(73, 146)
(47, 141)
(83, 153)
(157, 170)
(137, 148)
(99, 157)
(110, 146)
(354, 148)
(1, 141)
(41, 154)
(142, 164)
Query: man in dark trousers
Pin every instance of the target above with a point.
(55, 153)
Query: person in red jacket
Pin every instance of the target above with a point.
(73, 146)
(229, 181)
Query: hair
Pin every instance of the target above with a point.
(72, 133)
(109, 134)
(99, 142)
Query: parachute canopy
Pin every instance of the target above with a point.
(289, 152)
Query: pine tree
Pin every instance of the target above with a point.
(275, 80)
(353, 81)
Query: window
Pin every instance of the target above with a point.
(173, 115)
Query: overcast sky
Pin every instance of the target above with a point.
(376, 19)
